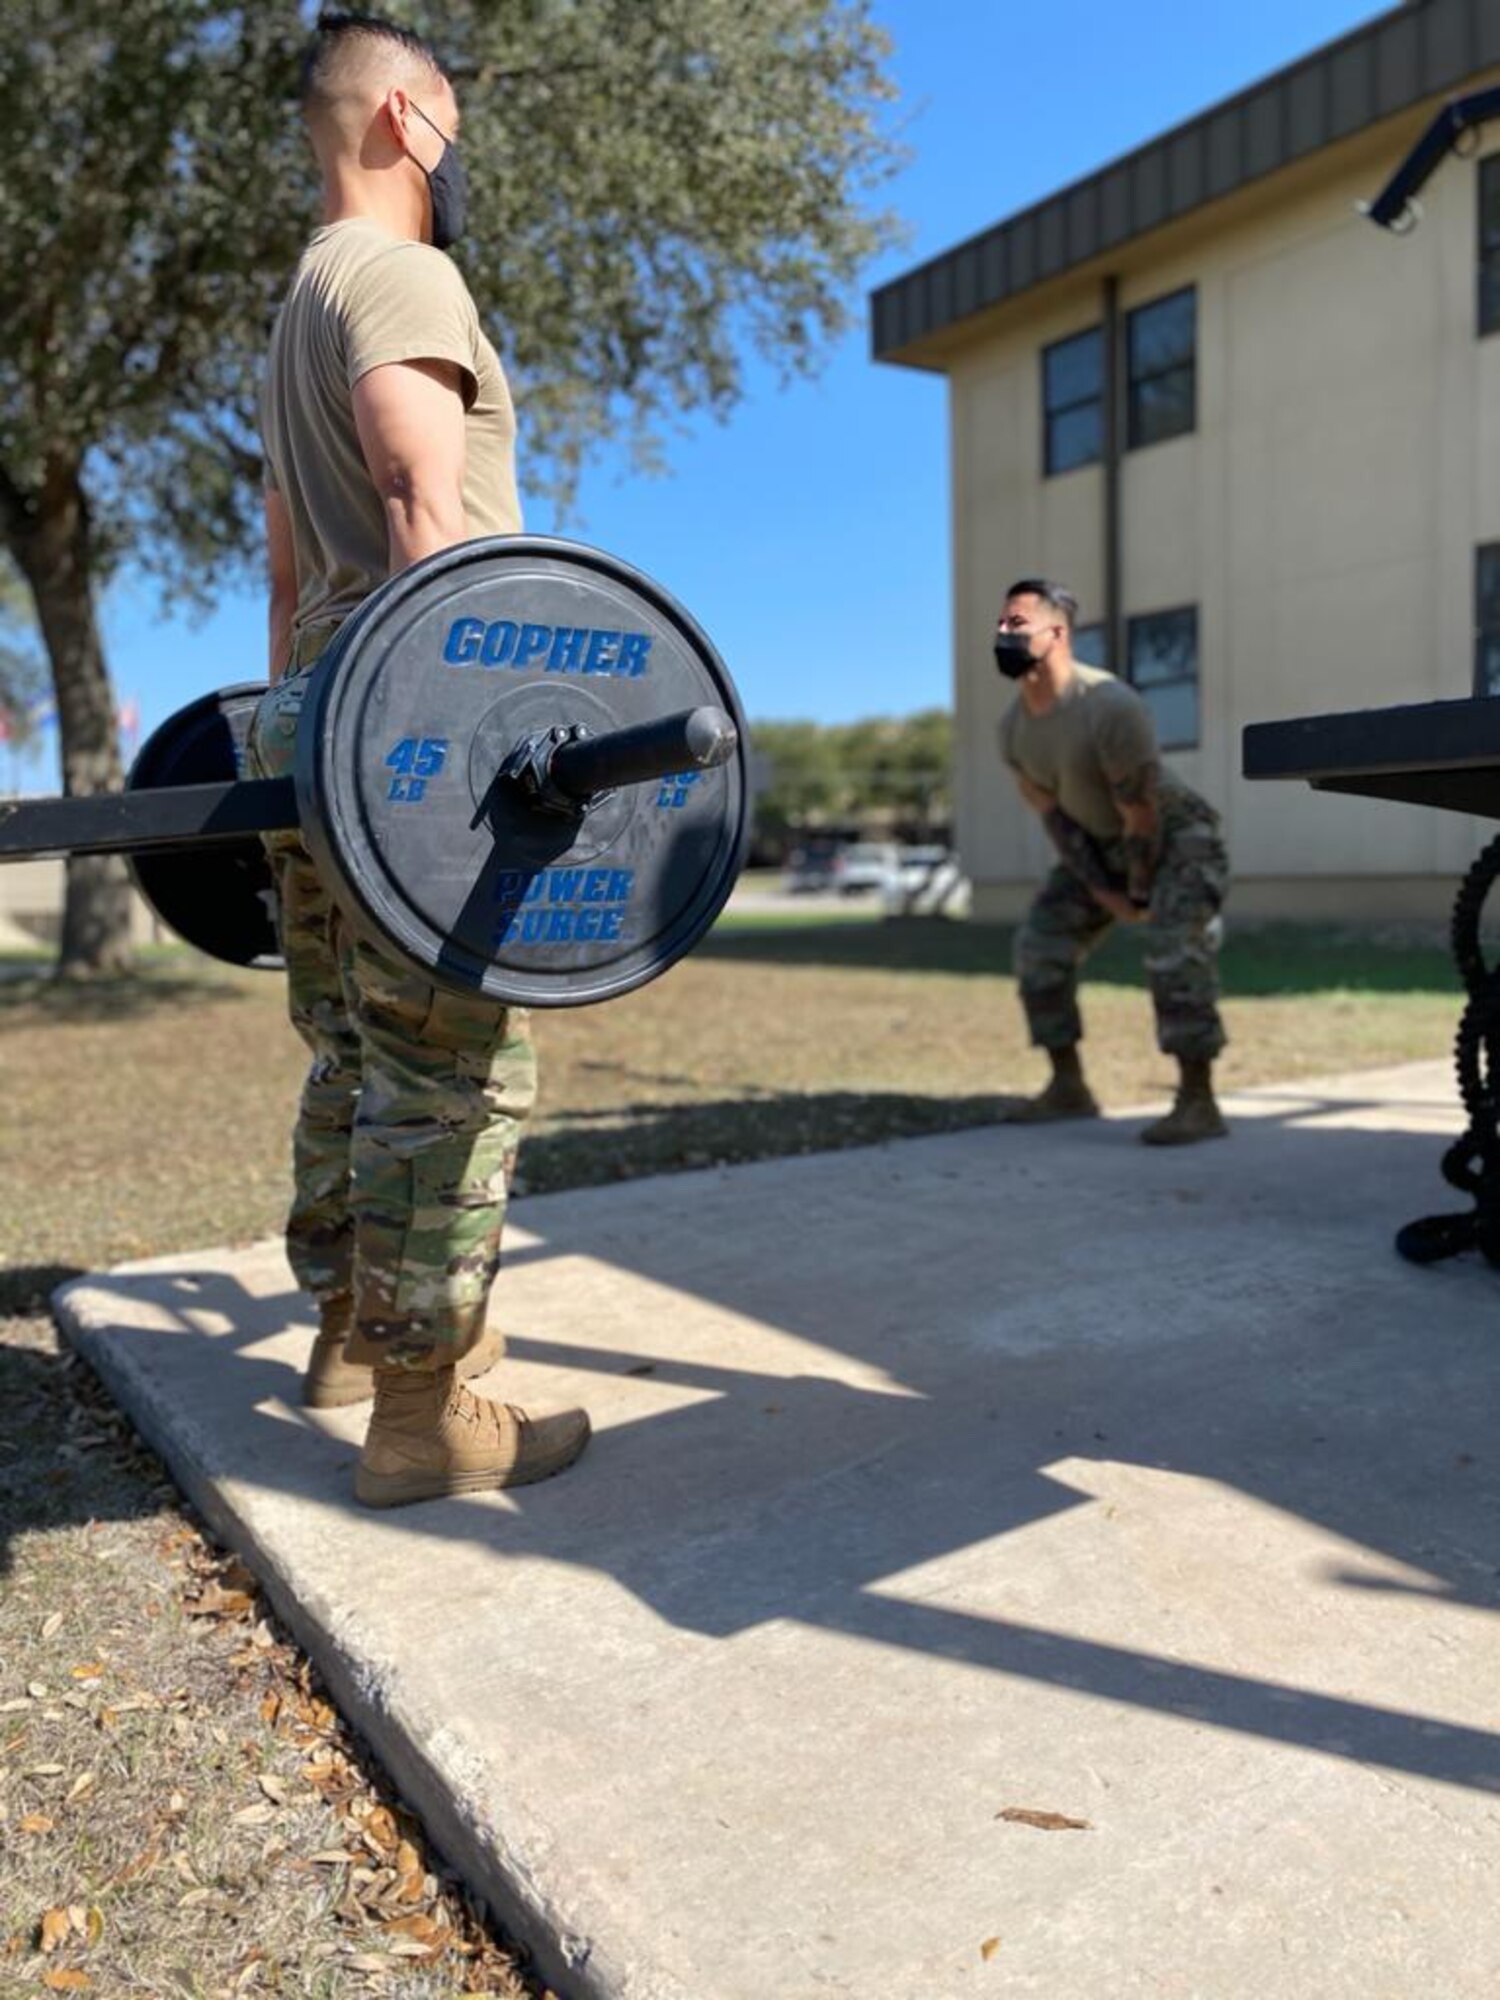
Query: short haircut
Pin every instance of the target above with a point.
(1057, 595)
(341, 45)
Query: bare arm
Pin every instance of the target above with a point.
(1076, 849)
(1136, 797)
(410, 418)
(283, 568)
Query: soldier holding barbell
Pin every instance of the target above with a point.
(389, 435)
(1134, 845)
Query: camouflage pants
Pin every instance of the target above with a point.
(410, 1117)
(1065, 923)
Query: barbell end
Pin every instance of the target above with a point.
(711, 738)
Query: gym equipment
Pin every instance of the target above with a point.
(520, 765)
(1447, 754)
(1440, 753)
(221, 899)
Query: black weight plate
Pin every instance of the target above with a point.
(427, 688)
(218, 897)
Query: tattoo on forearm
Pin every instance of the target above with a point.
(1138, 787)
(1077, 850)
(1135, 793)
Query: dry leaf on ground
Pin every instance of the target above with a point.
(422, 1930)
(1049, 1822)
(216, 1602)
(55, 1928)
(257, 1815)
(380, 1830)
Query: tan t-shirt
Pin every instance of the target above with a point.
(1096, 734)
(359, 298)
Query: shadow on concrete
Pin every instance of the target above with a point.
(1269, 959)
(1363, 1405)
(592, 1149)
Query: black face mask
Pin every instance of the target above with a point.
(1013, 654)
(449, 187)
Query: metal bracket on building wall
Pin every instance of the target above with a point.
(1396, 207)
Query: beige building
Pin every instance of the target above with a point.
(1260, 438)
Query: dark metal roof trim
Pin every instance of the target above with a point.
(1391, 64)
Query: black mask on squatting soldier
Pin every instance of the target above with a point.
(448, 185)
(1013, 654)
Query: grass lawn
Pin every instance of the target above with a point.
(181, 1811)
(152, 1115)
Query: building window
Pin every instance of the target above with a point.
(1487, 619)
(1091, 646)
(1489, 244)
(1073, 399)
(1161, 349)
(1163, 656)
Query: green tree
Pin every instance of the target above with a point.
(22, 674)
(801, 782)
(659, 184)
(916, 777)
(879, 770)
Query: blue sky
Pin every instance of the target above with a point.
(809, 534)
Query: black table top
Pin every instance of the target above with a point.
(1431, 753)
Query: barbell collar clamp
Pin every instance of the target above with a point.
(529, 767)
(568, 770)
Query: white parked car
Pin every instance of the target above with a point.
(869, 867)
(927, 883)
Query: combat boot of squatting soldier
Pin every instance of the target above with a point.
(1134, 845)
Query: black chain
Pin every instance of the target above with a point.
(1472, 1163)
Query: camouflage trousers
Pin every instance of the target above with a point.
(410, 1118)
(1065, 923)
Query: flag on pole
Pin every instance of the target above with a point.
(130, 719)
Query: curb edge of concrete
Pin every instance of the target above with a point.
(409, 1748)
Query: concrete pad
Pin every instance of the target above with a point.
(1008, 1469)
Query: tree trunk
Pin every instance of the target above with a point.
(53, 551)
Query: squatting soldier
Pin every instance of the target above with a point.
(389, 434)
(1134, 845)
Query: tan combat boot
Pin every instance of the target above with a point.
(1195, 1115)
(331, 1381)
(1066, 1095)
(429, 1435)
